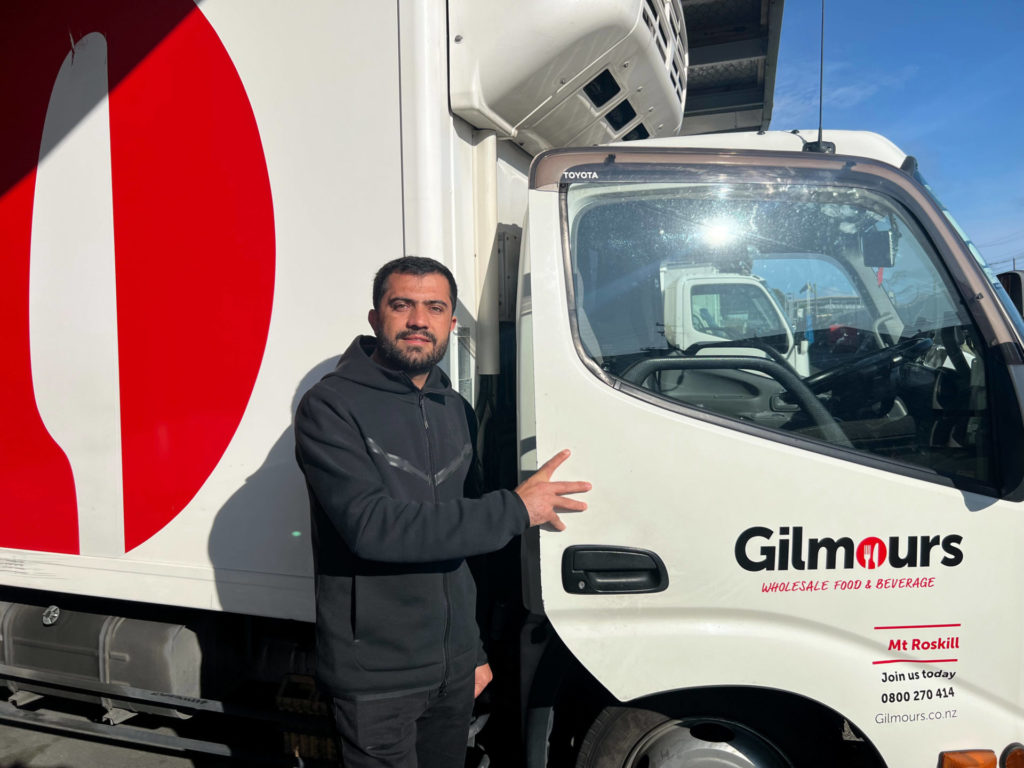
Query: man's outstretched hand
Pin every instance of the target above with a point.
(543, 498)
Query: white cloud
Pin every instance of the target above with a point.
(845, 87)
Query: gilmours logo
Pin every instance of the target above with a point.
(758, 549)
(577, 175)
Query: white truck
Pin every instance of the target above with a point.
(796, 391)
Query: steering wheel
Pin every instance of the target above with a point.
(876, 327)
(782, 372)
(910, 349)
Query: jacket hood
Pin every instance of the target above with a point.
(357, 365)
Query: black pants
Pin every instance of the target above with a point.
(420, 730)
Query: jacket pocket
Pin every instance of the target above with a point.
(398, 621)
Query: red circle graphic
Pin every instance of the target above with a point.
(194, 254)
(871, 553)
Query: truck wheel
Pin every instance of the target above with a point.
(628, 737)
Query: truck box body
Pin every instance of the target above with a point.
(227, 196)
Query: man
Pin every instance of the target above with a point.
(384, 443)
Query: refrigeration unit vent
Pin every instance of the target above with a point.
(664, 19)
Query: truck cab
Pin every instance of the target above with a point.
(804, 418)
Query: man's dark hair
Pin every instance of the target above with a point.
(412, 265)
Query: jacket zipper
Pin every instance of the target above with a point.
(444, 576)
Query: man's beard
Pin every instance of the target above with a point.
(390, 355)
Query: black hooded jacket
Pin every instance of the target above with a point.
(385, 464)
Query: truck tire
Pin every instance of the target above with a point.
(633, 737)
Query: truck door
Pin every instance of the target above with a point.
(838, 532)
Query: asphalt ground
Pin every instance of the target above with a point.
(30, 748)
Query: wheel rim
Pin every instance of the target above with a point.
(702, 744)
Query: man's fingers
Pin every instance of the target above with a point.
(549, 466)
(563, 487)
(571, 505)
(545, 498)
(482, 677)
(556, 523)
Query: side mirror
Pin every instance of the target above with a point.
(1013, 282)
(879, 248)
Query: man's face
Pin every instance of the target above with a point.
(413, 323)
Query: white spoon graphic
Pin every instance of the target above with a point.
(73, 297)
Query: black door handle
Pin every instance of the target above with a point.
(595, 569)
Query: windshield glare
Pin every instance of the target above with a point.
(861, 339)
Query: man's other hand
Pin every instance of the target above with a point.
(543, 498)
(483, 678)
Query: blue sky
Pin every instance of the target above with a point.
(942, 79)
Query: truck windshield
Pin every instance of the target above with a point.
(819, 310)
(997, 287)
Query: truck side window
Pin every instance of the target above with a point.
(818, 311)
